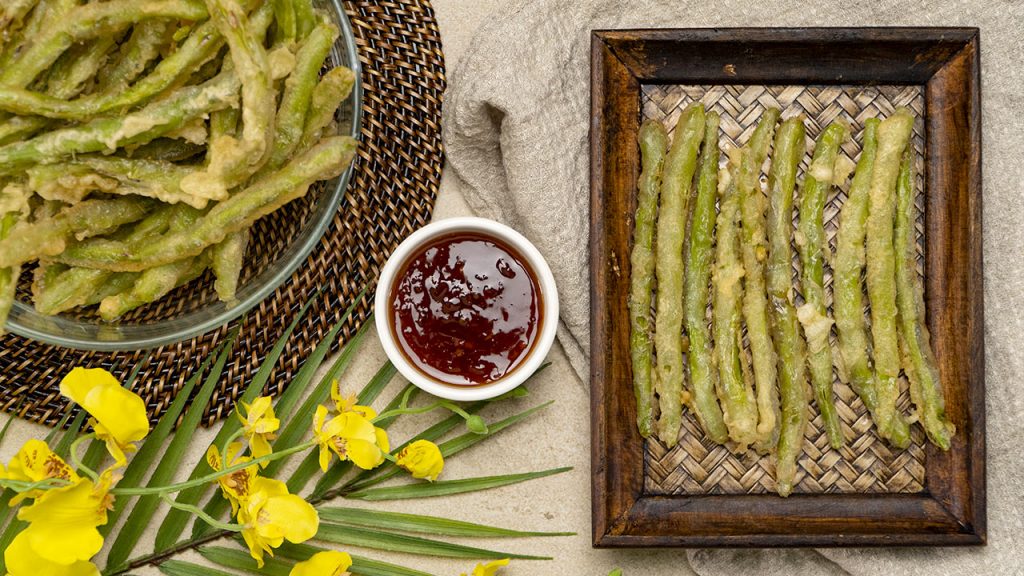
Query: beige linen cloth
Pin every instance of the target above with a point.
(516, 127)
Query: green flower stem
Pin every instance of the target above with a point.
(224, 449)
(22, 486)
(78, 461)
(211, 477)
(230, 527)
(475, 423)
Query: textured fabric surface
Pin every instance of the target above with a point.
(516, 128)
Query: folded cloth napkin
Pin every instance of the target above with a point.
(516, 124)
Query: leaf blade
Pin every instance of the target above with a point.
(449, 487)
(421, 524)
(389, 542)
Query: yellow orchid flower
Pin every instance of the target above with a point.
(270, 515)
(488, 569)
(63, 521)
(329, 563)
(352, 437)
(33, 463)
(22, 560)
(237, 485)
(260, 424)
(118, 414)
(422, 459)
(347, 403)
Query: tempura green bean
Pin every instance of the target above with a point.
(915, 343)
(653, 147)
(699, 257)
(753, 249)
(677, 177)
(142, 47)
(893, 135)
(811, 245)
(789, 149)
(330, 92)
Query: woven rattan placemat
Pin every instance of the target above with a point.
(391, 193)
(865, 463)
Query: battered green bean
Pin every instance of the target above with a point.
(893, 135)
(330, 92)
(915, 343)
(13, 208)
(703, 378)
(233, 164)
(653, 147)
(142, 47)
(298, 91)
(226, 260)
(150, 286)
(77, 67)
(13, 12)
(728, 293)
(167, 149)
(789, 148)
(155, 120)
(48, 237)
(753, 249)
(812, 245)
(677, 177)
(73, 180)
(325, 160)
(305, 17)
(20, 127)
(284, 21)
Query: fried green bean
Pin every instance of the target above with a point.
(677, 177)
(298, 91)
(157, 119)
(77, 67)
(699, 257)
(73, 180)
(330, 92)
(73, 287)
(653, 147)
(284, 22)
(854, 362)
(166, 149)
(226, 260)
(789, 148)
(893, 135)
(811, 245)
(90, 21)
(305, 18)
(13, 12)
(142, 47)
(234, 163)
(124, 242)
(150, 286)
(915, 342)
(753, 250)
(725, 307)
(326, 160)
(48, 237)
(20, 127)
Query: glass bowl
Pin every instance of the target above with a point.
(280, 243)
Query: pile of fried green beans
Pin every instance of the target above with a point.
(140, 140)
(717, 278)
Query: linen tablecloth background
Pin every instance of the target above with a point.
(516, 128)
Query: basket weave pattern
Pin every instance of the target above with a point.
(866, 464)
(391, 193)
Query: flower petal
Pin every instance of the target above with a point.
(21, 560)
(120, 412)
(327, 563)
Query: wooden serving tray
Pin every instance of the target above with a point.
(867, 494)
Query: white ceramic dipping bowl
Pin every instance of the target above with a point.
(548, 296)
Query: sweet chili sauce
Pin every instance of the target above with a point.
(466, 309)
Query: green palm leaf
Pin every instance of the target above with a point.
(400, 522)
(176, 520)
(389, 542)
(146, 506)
(449, 487)
(180, 568)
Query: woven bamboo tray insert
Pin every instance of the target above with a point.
(391, 193)
(866, 464)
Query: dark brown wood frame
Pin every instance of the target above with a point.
(951, 510)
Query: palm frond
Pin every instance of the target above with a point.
(392, 542)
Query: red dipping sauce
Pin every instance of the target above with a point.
(466, 309)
